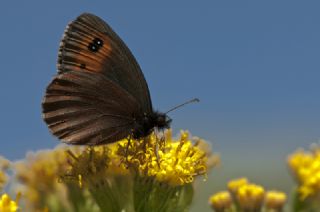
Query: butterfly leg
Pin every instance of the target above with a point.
(156, 152)
(157, 147)
(162, 141)
(127, 147)
(91, 167)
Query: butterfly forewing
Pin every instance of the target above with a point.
(90, 44)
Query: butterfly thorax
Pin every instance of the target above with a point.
(143, 126)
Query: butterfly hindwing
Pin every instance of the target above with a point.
(82, 107)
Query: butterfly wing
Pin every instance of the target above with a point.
(90, 44)
(82, 107)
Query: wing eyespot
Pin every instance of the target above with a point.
(95, 45)
(98, 42)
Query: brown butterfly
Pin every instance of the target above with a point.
(99, 95)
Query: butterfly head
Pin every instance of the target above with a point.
(143, 126)
(161, 120)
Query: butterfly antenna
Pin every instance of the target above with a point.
(183, 104)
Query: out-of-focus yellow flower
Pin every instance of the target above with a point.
(176, 162)
(95, 164)
(212, 159)
(275, 200)
(305, 167)
(4, 165)
(7, 204)
(246, 196)
(39, 175)
(250, 197)
(235, 184)
(3, 179)
(221, 201)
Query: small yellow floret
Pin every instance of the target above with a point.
(250, 197)
(234, 185)
(221, 201)
(7, 205)
(275, 200)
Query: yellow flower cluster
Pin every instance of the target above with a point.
(113, 177)
(305, 166)
(38, 176)
(175, 162)
(94, 164)
(246, 196)
(7, 204)
(152, 171)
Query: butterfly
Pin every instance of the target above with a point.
(99, 94)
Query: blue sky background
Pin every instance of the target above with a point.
(253, 64)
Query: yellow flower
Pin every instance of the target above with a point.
(4, 165)
(275, 200)
(152, 169)
(250, 197)
(305, 167)
(221, 201)
(176, 162)
(234, 185)
(7, 205)
(39, 175)
(3, 179)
